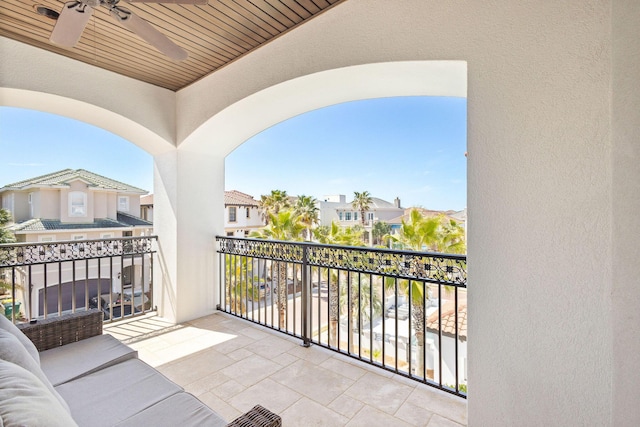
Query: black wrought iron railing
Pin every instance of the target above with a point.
(51, 278)
(403, 311)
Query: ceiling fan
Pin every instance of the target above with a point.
(75, 16)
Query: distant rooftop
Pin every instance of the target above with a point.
(236, 198)
(146, 200)
(124, 221)
(64, 177)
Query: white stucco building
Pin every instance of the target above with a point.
(336, 209)
(553, 172)
(241, 214)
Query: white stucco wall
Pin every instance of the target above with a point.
(552, 173)
(625, 167)
(539, 77)
(139, 112)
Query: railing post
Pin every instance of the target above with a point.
(306, 339)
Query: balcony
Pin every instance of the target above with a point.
(319, 334)
(400, 311)
(231, 364)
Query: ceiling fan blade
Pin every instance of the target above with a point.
(170, 1)
(70, 24)
(148, 33)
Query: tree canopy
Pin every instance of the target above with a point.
(6, 236)
(434, 233)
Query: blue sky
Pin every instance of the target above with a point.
(411, 147)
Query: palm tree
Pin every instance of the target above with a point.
(307, 209)
(285, 225)
(274, 203)
(379, 230)
(362, 202)
(451, 238)
(335, 235)
(419, 233)
(362, 303)
(239, 289)
(418, 293)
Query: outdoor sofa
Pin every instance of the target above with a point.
(64, 372)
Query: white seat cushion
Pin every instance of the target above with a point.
(182, 409)
(111, 395)
(12, 350)
(71, 361)
(25, 401)
(8, 326)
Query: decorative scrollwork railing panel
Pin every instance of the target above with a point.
(23, 254)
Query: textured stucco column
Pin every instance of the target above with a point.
(186, 207)
(626, 213)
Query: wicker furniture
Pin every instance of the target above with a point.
(105, 384)
(58, 331)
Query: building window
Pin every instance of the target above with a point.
(340, 216)
(370, 216)
(229, 233)
(123, 203)
(77, 203)
(78, 237)
(106, 235)
(232, 214)
(46, 238)
(30, 199)
(355, 216)
(246, 233)
(347, 216)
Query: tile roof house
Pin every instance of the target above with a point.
(448, 346)
(71, 204)
(76, 204)
(336, 208)
(241, 214)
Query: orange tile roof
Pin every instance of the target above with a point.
(236, 198)
(449, 321)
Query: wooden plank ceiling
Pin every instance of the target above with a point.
(213, 34)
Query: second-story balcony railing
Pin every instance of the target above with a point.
(51, 278)
(402, 311)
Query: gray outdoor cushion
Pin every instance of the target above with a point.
(12, 350)
(115, 393)
(181, 410)
(25, 401)
(71, 361)
(8, 326)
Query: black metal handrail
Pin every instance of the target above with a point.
(404, 311)
(65, 276)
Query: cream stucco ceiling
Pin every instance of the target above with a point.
(214, 34)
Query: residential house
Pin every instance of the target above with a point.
(146, 207)
(76, 204)
(553, 162)
(335, 208)
(241, 214)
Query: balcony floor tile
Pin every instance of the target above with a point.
(231, 365)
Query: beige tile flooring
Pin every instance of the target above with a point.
(231, 365)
